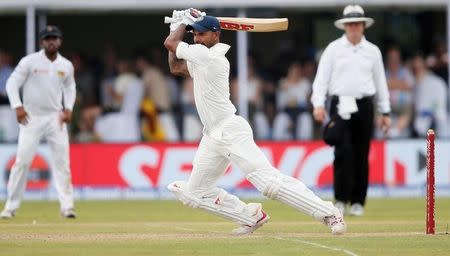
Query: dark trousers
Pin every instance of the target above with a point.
(351, 157)
(4, 100)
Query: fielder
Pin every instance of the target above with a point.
(48, 84)
(228, 137)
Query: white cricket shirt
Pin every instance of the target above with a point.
(351, 70)
(210, 71)
(44, 83)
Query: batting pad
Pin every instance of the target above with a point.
(218, 202)
(292, 192)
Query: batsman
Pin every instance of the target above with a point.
(228, 137)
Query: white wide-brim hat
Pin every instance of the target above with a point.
(353, 13)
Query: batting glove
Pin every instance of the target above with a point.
(178, 15)
(177, 18)
(174, 25)
(197, 13)
(192, 15)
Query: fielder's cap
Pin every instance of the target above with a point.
(206, 23)
(353, 13)
(50, 30)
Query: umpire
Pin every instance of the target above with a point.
(351, 71)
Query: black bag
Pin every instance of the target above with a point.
(333, 131)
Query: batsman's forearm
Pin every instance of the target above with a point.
(177, 66)
(173, 60)
(174, 38)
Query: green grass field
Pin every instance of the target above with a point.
(390, 227)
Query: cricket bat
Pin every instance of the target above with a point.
(249, 24)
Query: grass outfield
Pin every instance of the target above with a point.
(390, 227)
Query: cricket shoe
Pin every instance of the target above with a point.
(357, 210)
(68, 213)
(247, 229)
(7, 214)
(336, 223)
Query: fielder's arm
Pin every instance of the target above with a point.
(13, 85)
(177, 66)
(69, 96)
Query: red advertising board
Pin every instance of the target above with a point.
(154, 166)
(132, 165)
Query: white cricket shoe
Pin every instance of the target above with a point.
(7, 214)
(247, 230)
(336, 223)
(69, 213)
(357, 210)
(341, 206)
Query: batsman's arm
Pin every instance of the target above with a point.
(177, 66)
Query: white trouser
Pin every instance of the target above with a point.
(49, 127)
(233, 141)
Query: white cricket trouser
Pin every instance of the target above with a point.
(233, 141)
(49, 127)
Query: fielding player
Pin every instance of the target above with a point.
(228, 137)
(48, 84)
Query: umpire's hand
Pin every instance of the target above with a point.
(319, 114)
(385, 124)
(22, 115)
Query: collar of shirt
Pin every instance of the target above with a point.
(220, 48)
(346, 42)
(42, 54)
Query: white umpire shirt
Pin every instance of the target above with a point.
(45, 84)
(351, 70)
(210, 71)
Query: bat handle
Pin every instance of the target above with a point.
(168, 20)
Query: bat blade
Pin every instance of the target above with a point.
(249, 24)
(253, 24)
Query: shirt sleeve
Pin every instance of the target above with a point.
(16, 81)
(195, 53)
(322, 80)
(69, 90)
(379, 77)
